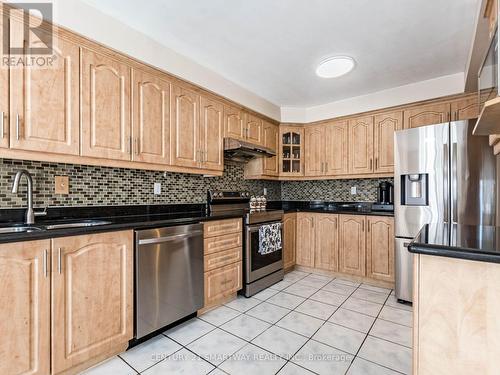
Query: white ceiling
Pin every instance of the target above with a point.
(272, 47)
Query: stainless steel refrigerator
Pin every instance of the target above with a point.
(443, 173)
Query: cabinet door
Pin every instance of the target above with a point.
(212, 129)
(327, 242)
(465, 109)
(25, 308)
(305, 239)
(383, 144)
(151, 118)
(234, 123)
(92, 290)
(222, 282)
(45, 100)
(254, 129)
(380, 248)
(4, 94)
(336, 148)
(352, 245)
(106, 101)
(426, 115)
(289, 239)
(270, 132)
(361, 145)
(185, 128)
(291, 151)
(314, 150)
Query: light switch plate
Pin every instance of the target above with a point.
(157, 188)
(354, 190)
(62, 185)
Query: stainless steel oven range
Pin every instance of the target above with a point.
(262, 267)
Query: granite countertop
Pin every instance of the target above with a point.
(145, 216)
(471, 242)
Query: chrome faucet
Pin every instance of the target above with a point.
(30, 213)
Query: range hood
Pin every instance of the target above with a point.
(243, 152)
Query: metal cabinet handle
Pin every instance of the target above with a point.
(59, 260)
(18, 120)
(45, 263)
(2, 124)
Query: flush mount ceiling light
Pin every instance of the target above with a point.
(335, 67)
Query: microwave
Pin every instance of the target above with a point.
(488, 74)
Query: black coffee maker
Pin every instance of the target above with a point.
(385, 197)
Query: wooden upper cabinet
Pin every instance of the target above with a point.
(380, 248)
(151, 131)
(314, 150)
(271, 134)
(291, 151)
(254, 129)
(185, 128)
(289, 239)
(465, 109)
(92, 291)
(305, 239)
(385, 124)
(106, 101)
(427, 115)
(25, 308)
(352, 245)
(361, 145)
(234, 123)
(326, 242)
(336, 136)
(4, 94)
(44, 107)
(212, 131)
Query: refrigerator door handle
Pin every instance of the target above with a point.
(453, 180)
(446, 174)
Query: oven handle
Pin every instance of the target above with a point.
(256, 226)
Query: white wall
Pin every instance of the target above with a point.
(90, 22)
(433, 88)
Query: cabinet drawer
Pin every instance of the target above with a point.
(221, 227)
(222, 258)
(229, 241)
(222, 282)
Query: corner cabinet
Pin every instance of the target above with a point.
(68, 302)
(291, 151)
(106, 103)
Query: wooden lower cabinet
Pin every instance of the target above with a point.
(352, 253)
(223, 253)
(289, 239)
(25, 308)
(305, 239)
(380, 248)
(68, 301)
(326, 242)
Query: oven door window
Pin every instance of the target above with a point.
(257, 260)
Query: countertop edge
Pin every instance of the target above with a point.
(453, 252)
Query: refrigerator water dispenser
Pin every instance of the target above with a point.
(414, 190)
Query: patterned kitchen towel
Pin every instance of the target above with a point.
(269, 238)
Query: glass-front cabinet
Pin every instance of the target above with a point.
(291, 151)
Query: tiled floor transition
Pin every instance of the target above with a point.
(306, 324)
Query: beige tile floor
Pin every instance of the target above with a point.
(305, 324)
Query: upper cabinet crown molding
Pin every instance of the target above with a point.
(151, 129)
(106, 103)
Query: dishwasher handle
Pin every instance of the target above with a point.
(175, 237)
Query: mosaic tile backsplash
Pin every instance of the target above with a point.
(332, 190)
(100, 186)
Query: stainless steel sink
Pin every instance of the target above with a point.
(18, 229)
(79, 224)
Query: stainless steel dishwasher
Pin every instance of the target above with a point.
(168, 276)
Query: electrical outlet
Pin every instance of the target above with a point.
(61, 185)
(265, 191)
(354, 190)
(157, 188)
